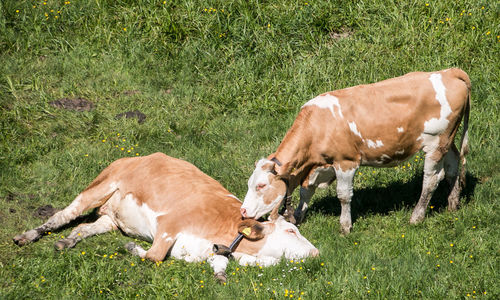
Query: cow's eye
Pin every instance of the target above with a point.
(260, 186)
(290, 230)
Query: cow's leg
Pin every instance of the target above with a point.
(306, 194)
(451, 165)
(102, 225)
(219, 265)
(433, 174)
(162, 242)
(288, 213)
(92, 197)
(344, 193)
(157, 252)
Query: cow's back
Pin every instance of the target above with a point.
(380, 122)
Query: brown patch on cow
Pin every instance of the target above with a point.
(141, 117)
(267, 166)
(342, 33)
(77, 104)
(276, 188)
(45, 211)
(256, 229)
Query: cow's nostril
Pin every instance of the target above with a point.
(314, 252)
(243, 212)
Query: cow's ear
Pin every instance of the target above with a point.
(251, 229)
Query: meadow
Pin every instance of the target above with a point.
(218, 83)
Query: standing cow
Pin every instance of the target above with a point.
(381, 125)
(180, 209)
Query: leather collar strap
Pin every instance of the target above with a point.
(235, 242)
(276, 161)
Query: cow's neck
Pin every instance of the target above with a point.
(294, 155)
(224, 227)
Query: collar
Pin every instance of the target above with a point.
(220, 249)
(276, 161)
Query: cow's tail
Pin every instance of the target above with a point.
(464, 142)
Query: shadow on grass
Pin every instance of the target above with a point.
(397, 195)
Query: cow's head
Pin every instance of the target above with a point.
(265, 190)
(284, 239)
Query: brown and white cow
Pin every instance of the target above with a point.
(381, 125)
(183, 211)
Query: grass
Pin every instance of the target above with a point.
(220, 83)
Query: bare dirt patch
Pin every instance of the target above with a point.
(141, 117)
(45, 211)
(77, 104)
(342, 33)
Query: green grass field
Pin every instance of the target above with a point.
(220, 82)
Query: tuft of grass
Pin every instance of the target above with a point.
(220, 82)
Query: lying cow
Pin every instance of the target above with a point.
(180, 209)
(381, 125)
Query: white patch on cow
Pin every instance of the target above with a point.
(285, 240)
(354, 129)
(382, 160)
(321, 176)
(249, 260)
(326, 101)
(400, 129)
(233, 196)
(137, 250)
(191, 248)
(430, 142)
(113, 186)
(218, 263)
(399, 152)
(436, 126)
(385, 157)
(134, 220)
(344, 183)
(376, 144)
(166, 237)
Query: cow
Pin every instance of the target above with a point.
(381, 125)
(180, 209)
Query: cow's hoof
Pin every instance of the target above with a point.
(290, 218)
(59, 245)
(26, 238)
(299, 217)
(20, 240)
(130, 246)
(220, 277)
(345, 230)
(453, 205)
(416, 219)
(65, 243)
